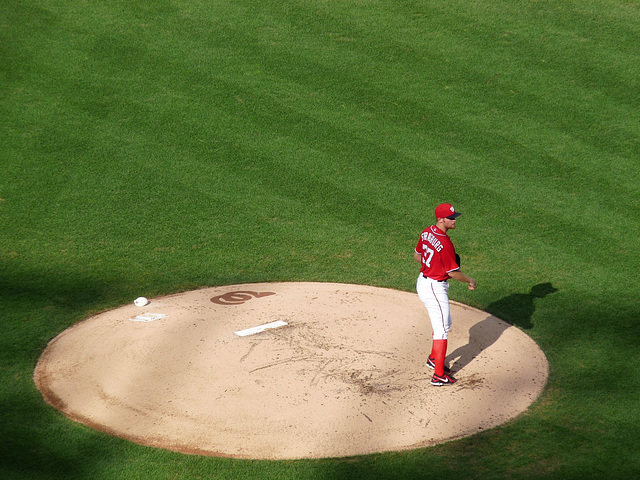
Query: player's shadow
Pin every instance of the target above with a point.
(516, 309)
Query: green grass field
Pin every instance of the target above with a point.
(149, 147)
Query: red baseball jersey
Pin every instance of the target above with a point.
(438, 257)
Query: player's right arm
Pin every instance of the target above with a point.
(463, 277)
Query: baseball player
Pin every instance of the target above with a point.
(438, 263)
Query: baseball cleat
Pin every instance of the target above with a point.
(432, 365)
(443, 380)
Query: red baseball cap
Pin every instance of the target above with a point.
(445, 210)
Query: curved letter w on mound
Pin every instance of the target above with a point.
(237, 298)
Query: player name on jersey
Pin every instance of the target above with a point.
(431, 238)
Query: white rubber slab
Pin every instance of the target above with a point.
(260, 328)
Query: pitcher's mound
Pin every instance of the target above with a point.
(287, 370)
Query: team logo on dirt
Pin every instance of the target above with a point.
(238, 298)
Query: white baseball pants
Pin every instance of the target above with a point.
(435, 296)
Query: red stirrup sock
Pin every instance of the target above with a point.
(439, 353)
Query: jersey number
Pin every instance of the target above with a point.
(427, 256)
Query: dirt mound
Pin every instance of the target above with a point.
(332, 370)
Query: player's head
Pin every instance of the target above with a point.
(446, 210)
